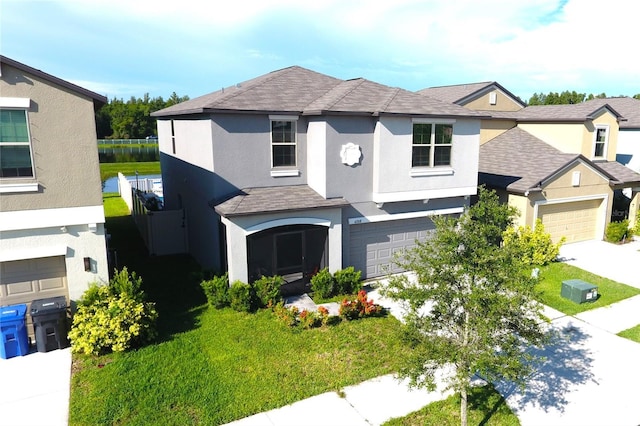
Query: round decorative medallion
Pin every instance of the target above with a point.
(350, 154)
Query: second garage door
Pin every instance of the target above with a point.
(22, 281)
(372, 245)
(576, 221)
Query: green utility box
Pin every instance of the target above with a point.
(579, 291)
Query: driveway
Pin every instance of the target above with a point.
(35, 388)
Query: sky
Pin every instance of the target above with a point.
(125, 48)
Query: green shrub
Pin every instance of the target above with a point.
(241, 297)
(323, 284)
(535, 245)
(267, 290)
(636, 230)
(347, 281)
(310, 319)
(618, 231)
(217, 291)
(113, 317)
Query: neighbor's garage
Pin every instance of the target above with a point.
(22, 281)
(576, 221)
(372, 244)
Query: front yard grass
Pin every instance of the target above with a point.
(486, 406)
(632, 333)
(550, 285)
(214, 366)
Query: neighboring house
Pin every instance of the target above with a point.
(52, 238)
(294, 171)
(589, 131)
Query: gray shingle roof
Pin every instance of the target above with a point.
(622, 174)
(454, 93)
(299, 90)
(571, 112)
(518, 161)
(276, 199)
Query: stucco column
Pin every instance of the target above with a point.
(236, 252)
(634, 207)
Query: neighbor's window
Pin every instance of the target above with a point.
(15, 145)
(283, 143)
(431, 144)
(600, 146)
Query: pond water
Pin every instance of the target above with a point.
(111, 184)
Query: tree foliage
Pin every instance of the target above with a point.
(470, 304)
(565, 97)
(132, 119)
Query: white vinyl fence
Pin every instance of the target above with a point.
(163, 231)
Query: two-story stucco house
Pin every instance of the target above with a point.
(52, 238)
(294, 171)
(556, 163)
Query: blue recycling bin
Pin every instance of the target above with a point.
(13, 331)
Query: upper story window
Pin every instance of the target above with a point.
(431, 145)
(283, 142)
(600, 143)
(15, 144)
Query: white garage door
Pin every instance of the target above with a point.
(22, 281)
(576, 221)
(372, 245)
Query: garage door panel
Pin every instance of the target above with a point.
(20, 288)
(576, 221)
(381, 241)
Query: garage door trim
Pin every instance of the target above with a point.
(400, 216)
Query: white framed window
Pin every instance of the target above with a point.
(601, 139)
(431, 144)
(283, 141)
(16, 158)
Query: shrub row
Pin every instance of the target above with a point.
(241, 296)
(350, 309)
(343, 281)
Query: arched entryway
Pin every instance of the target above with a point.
(295, 252)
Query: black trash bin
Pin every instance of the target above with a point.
(50, 323)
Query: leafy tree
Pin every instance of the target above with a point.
(132, 119)
(470, 305)
(637, 96)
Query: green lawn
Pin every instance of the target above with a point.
(214, 366)
(632, 333)
(108, 170)
(486, 407)
(552, 276)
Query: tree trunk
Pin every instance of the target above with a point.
(463, 407)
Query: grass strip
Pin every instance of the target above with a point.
(486, 407)
(632, 333)
(554, 274)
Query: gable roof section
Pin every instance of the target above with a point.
(628, 107)
(98, 100)
(297, 90)
(519, 162)
(250, 201)
(463, 93)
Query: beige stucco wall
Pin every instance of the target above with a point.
(492, 128)
(503, 102)
(64, 145)
(566, 137)
(524, 207)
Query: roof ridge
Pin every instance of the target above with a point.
(460, 84)
(391, 98)
(345, 94)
